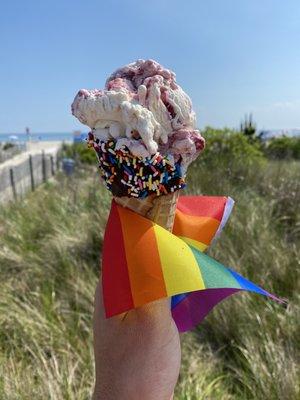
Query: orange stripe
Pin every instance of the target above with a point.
(143, 261)
(201, 229)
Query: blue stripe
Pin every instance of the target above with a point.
(177, 299)
(247, 285)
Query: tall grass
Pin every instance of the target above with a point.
(49, 256)
(50, 243)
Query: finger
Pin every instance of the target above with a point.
(158, 312)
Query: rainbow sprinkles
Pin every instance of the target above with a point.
(127, 175)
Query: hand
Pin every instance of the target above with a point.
(137, 354)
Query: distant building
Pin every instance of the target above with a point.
(79, 137)
(266, 134)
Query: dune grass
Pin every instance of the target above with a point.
(247, 348)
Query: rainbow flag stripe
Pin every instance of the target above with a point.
(143, 262)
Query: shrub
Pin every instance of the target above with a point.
(283, 148)
(236, 161)
(80, 152)
(8, 145)
(230, 145)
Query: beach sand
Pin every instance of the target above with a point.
(32, 148)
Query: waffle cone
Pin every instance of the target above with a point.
(159, 209)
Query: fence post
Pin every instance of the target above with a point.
(57, 161)
(31, 172)
(12, 182)
(44, 167)
(52, 165)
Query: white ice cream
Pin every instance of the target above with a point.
(142, 103)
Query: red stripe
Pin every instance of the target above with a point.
(204, 206)
(115, 280)
(143, 258)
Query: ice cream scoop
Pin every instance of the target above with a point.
(143, 103)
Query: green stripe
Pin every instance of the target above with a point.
(214, 274)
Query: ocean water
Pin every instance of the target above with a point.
(48, 137)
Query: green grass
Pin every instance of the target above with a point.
(50, 244)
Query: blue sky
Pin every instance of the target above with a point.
(231, 56)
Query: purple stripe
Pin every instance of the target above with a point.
(192, 310)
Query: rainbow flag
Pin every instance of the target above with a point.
(143, 262)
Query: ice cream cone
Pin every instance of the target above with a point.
(159, 209)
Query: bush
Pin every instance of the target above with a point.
(283, 148)
(80, 152)
(230, 145)
(8, 145)
(236, 160)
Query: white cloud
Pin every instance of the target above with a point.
(278, 115)
(289, 105)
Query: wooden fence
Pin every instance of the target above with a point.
(11, 152)
(16, 180)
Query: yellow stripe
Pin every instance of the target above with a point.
(180, 269)
(198, 245)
